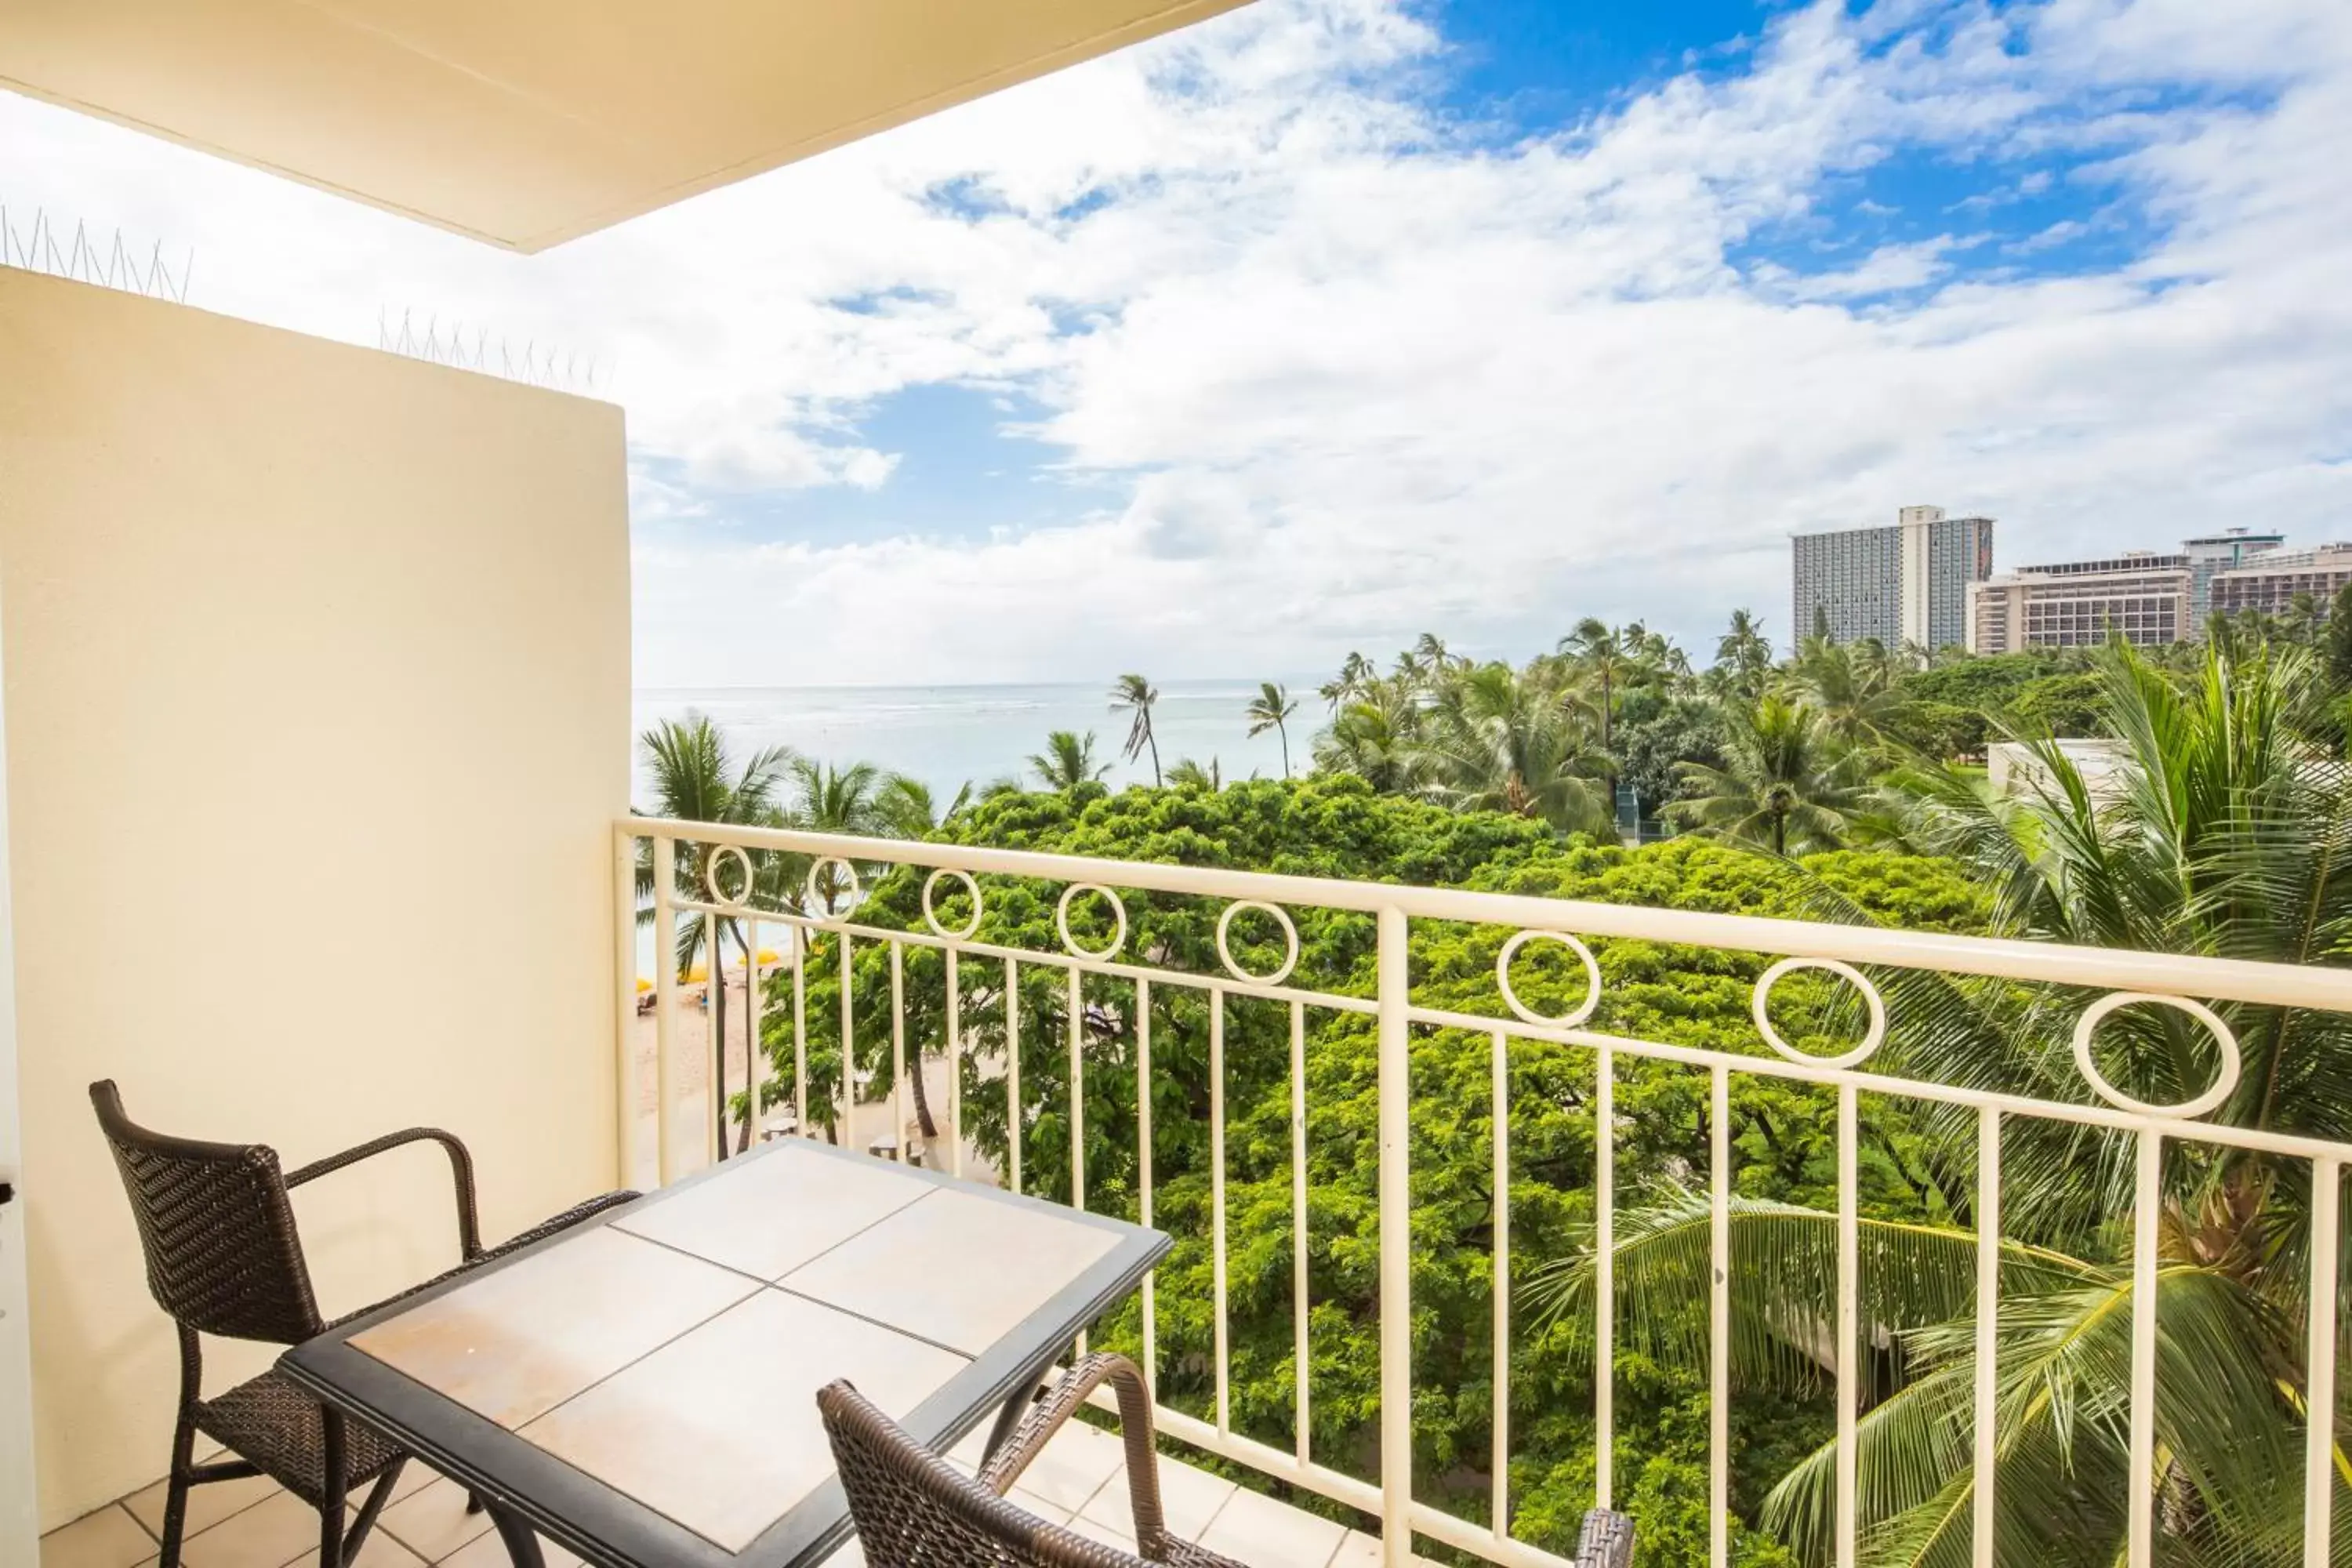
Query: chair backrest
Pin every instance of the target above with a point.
(218, 1230)
(914, 1510)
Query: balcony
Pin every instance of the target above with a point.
(1127, 1096)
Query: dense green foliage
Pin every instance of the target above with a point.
(1331, 827)
(1784, 755)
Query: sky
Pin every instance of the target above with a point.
(1328, 323)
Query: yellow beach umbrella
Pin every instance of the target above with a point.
(644, 984)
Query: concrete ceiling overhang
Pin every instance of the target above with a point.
(528, 122)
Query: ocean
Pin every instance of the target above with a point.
(949, 735)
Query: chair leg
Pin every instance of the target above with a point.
(175, 1492)
(378, 1495)
(184, 1449)
(331, 1506)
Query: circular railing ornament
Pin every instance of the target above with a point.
(2088, 1024)
(1511, 996)
(930, 916)
(1290, 937)
(711, 882)
(817, 901)
(1118, 917)
(1872, 1037)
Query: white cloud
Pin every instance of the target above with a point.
(1358, 371)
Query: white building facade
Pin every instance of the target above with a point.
(1907, 583)
(2076, 603)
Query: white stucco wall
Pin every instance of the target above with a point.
(317, 705)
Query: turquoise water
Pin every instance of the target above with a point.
(946, 735)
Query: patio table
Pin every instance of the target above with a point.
(642, 1389)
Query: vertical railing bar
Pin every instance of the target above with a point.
(714, 1011)
(754, 1009)
(664, 1004)
(955, 1065)
(1849, 1320)
(845, 1089)
(898, 1051)
(1217, 1195)
(1143, 1153)
(1988, 1326)
(1395, 1090)
(1012, 1070)
(799, 1032)
(1499, 1466)
(2319, 1385)
(1077, 1093)
(1604, 1279)
(1300, 1361)
(625, 988)
(1718, 1443)
(1076, 1006)
(2146, 1215)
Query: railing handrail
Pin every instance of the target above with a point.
(2101, 968)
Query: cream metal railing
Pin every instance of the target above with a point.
(2127, 978)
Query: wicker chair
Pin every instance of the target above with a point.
(223, 1258)
(914, 1510)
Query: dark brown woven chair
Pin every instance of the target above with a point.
(914, 1510)
(223, 1258)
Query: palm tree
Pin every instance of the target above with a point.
(1658, 660)
(1597, 649)
(2225, 838)
(908, 809)
(1744, 655)
(1377, 737)
(2303, 618)
(1271, 710)
(1743, 644)
(693, 778)
(827, 799)
(1356, 672)
(1067, 761)
(1499, 740)
(1851, 684)
(1190, 774)
(1429, 660)
(1134, 695)
(1784, 780)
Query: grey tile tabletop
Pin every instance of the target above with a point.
(641, 1390)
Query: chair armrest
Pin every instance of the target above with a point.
(1048, 1417)
(461, 1170)
(1605, 1541)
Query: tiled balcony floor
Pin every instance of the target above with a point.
(1079, 1481)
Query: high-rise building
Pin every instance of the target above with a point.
(1906, 582)
(2076, 603)
(2272, 583)
(2217, 553)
